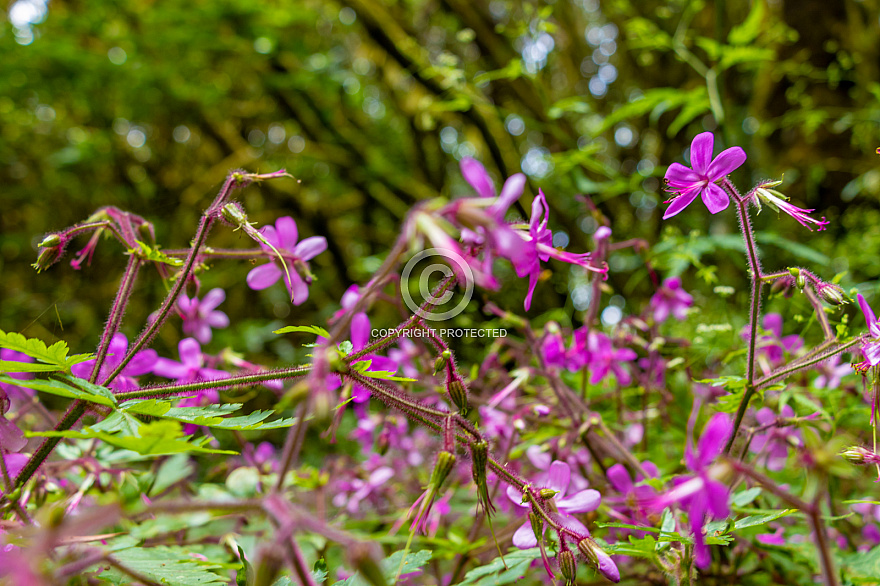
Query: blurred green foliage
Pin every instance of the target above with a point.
(369, 103)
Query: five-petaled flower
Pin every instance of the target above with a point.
(700, 180)
(199, 316)
(284, 238)
(558, 479)
(701, 493)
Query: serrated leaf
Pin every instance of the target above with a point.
(55, 354)
(66, 386)
(390, 566)
(160, 438)
(756, 520)
(207, 415)
(13, 366)
(167, 565)
(308, 329)
(387, 375)
(494, 573)
(154, 254)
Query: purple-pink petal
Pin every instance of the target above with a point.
(715, 198)
(714, 437)
(512, 190)
(170, 368)
(212, 299)
(701, 152)
(524, 538)
(677, 175)
(190, 353)
(475, 174)
(287, 232)
(620, 479)
(679, 203)
(298, 288)
(310, 247)
(581, 502)
(141, 363)
(728, 161)
(263, 276)
(558, 477)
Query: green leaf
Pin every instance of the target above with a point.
(13, 366)
(148, 253)
(208, 415)
(308, 329)
(756, 520)
(494, 573)
(387, 375)
(391, 564)
(745, 497)
(513, 70)
(750, 28)
(863, 568)
(166, 565)
(56, 354)
(67, 386)
(160, 438)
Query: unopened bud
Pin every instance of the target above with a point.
(479, 461)
(47, 258)
(537, 525)
(458, 395)
(442, 361)
(234, 214)
(600, 560)
(50, 241)
(860, 455)
(547, 493)
(444, 465)
(833, 294)
(568, 566)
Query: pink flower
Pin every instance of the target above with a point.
(871, 346)
(284, 238)
(540, 248)
(200, 316)
(142, 363)
(701, 494)
(670, 299)
(689, 183)
(558, 479)
(191, 366)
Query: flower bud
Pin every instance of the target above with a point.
(458, 395)
(546, 493)
(860, 455)
(234, 214)
(537, 525)
(833, 294)
(568, 566)
(50, 241)
(442, 361)
(444, 465)
(48, 257)
(599, 559)
(479, 461)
